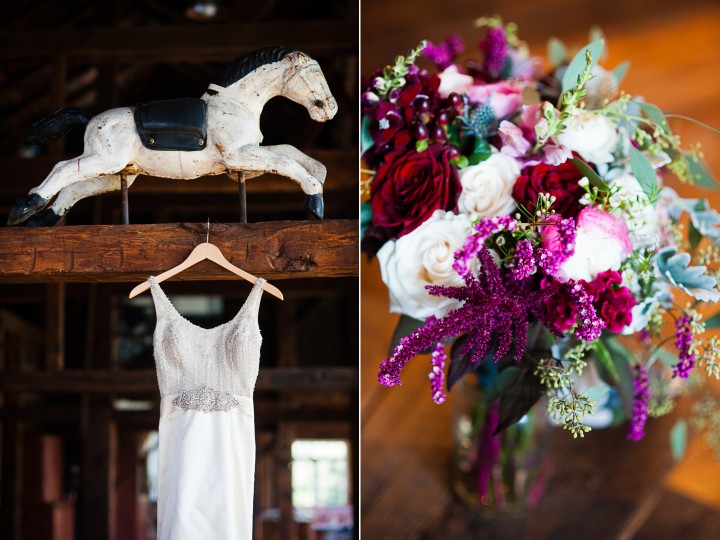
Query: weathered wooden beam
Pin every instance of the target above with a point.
(180, 42)
(101, 382)
(131, 253)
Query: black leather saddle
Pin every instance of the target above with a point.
(172, 124)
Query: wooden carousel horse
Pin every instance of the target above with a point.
(187, 138)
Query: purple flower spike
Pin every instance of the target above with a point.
(495, 312)
(683, 342)
(495, 48)
(640, 403)
(437, 373)
(590, 326)
(524, 260)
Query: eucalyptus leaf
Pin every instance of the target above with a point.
(643, 170)
(557, 52)
(365, 216)
(701, 175)
(366, 140)
(406, 326)
(596, 33)
(694, 237)
(665, 356)
(577, 65)
(655, 114)
(622, 358)
(597, 393)
(621, 70)
(502, 383)
(678, 439)
(713, 322)
(519, 399)
(606, 366)
(588, 172)
(694, 280)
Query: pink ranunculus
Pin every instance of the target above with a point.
(504, 99)
(452, 81)
(514, 144)
(602, 243)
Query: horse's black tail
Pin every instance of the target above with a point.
(56, 125)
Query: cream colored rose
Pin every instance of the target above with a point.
(487, 187)
(591, 135)
(424, 257)
(629, 202)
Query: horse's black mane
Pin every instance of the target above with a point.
(249, 62)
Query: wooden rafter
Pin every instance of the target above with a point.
(131, 253)
(180, 42)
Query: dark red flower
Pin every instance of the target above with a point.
(409, 187)
(558, 180)
(561, 308)
(612, 301)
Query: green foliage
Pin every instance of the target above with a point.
(394, 76)
(678, 439)
(588, 172)
(581, 64)
(570, 100)
(557, 52)
(366, 140)
(694, 280)
(643, 170)
(621, 70)
(606, 363)
(566, 406)
(502, 383)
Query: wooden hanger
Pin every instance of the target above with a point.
(213, 253)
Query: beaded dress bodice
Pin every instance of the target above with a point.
(206, 369)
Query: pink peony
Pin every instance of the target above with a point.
(602, 243)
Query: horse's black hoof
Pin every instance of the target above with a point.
(24, 208)
(46, 219)
(315, 204)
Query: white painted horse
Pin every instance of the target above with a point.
(233, 106)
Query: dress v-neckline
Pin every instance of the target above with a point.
(155, 285)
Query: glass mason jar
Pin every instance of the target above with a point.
(501, 473)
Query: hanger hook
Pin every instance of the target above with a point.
(207, 235)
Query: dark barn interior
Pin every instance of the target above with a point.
(79, 402)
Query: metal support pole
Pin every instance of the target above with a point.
(243, 199)
(125, 207)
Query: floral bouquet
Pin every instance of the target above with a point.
(520, 215)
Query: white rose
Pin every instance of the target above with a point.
(591, 135)
(487, 187)
(630, 203)
(424, 257)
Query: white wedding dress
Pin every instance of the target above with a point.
(206, 467)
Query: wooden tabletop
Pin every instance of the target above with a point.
(603, 486)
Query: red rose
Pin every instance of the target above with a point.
(409, 187)
(559, 180)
